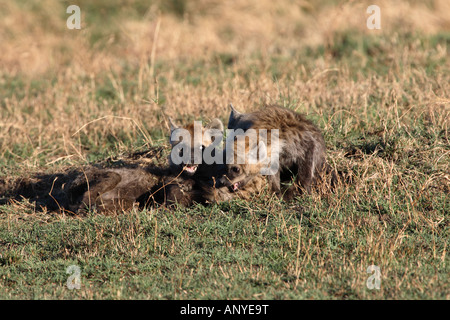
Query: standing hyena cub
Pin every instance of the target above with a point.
(299, 150)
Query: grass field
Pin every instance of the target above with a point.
(381, 97)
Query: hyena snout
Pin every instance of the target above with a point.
(232, 178)
(191, 164)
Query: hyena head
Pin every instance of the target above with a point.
(190, 143)
(248, 159)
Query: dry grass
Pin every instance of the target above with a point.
(58, 72)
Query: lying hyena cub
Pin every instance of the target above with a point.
(298, 150)
(109, 189)
(113, 189)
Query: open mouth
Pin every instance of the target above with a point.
(236, 186)
(191, 168)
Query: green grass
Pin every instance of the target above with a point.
(264, 250)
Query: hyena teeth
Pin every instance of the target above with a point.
(236, 186)
(191, 169)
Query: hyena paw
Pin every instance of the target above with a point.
(289, 194)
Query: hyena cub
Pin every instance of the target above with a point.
(299, 151)
(190, 143)
(200, 186)
(112, 189)
(191, 146)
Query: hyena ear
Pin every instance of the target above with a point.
(233, 109)
(173, 127)
(216, 124)
(234, 112)
(172, 124)
(214, 131)
(234, 116)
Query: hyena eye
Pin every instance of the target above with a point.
(236, 169)
(181, 153)
(202, 147)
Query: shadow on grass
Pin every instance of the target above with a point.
(98, 186)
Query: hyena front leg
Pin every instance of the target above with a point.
(274, 183)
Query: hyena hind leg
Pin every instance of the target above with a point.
(305, 174)
(292, 185)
